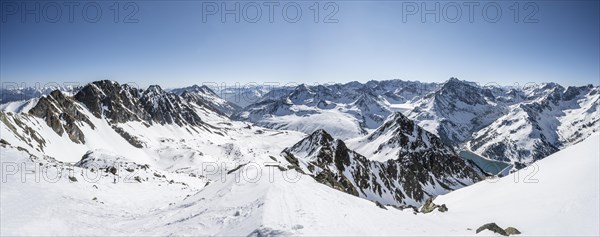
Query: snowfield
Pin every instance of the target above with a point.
(559, 197)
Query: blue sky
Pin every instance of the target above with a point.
(172, 46)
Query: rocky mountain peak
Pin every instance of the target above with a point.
(168, 108)
(313, 143)
(154, 90)
(466, 92)
(395, 181)
(396, 123)
(321, 134)
(118, 103)
(399, 138)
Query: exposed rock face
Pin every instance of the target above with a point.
(394, 182)
(327, 160)
(402, 134)
(123, 103)
(133, 140)
(19, 128)
(117, 103)
(416, 157)
(62, 114)
(168, 108)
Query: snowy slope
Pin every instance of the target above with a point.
(56, 198)
(20, 106)
(301, 206)
(558, 195)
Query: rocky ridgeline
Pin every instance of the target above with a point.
(117, 104)
(62, 114)
(402, 180)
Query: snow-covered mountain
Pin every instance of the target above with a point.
(410, 178)
(236, 95)
(399, 137)
(514, 124)
(518, 125)
(456, 110)
(534, 129)
(204, 96)
(345, 110)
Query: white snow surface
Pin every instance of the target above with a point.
(21, 106)
(563, 201)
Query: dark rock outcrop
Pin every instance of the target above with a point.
(123, 103)
(512, 231)
(492, 227)
(62, 114)
(429, 206)
(496, 229)
(417, 158)
(117, 103)
(397, 181)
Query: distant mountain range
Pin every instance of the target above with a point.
(517, 125)
(510, 124)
